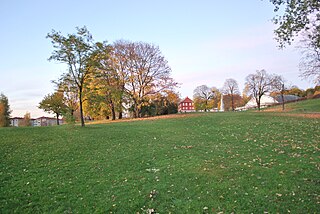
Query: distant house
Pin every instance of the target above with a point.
(269, 100)
(33, 122)
(41, 121)
(47, 121)
(15, 121)
(186, 105)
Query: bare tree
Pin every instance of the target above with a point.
(120, 63)
(148, 73)
(231, 88)
(259, 84)
(203, 94)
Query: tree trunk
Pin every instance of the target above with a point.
(135, 110)
(120, 111)
(120, 101)
(205, 108)
(258, 102)
(137, 113)
(113, 112)
(282, 97)
(57, 116)
(81, 110)
(232, 102)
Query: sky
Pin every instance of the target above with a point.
(204, 41)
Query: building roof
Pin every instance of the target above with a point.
(20, 118)
(48, 118)
(265, 100)
(268, 100)
(186, 100)
(43, 117)
(286, 98)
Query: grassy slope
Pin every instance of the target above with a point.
(305, 106)
(223, 161)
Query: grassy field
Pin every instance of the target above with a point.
(306, 106)
(208, 163)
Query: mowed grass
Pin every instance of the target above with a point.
(305, 106)
(207, 163)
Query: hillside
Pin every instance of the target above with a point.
(238, 162)
(304, 106)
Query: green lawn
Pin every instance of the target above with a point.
(305, 106)
(238, 162)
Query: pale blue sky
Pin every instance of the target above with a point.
(205, 41)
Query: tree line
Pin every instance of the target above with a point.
(104, 79)
(256, 85)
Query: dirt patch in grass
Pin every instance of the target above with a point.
(277, 110)
(144, 118)
(310, 115)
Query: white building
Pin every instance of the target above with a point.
(41, 121)
(264, 102)
(15, 121)
(268, 101)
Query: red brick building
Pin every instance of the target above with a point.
(186, 105)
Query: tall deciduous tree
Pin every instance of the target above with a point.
(74, 50)
(259, 84)
(54, 103)
(120, 63)
(231, 88)
(202, 96)
(105, 78)
(4, 111)
(148, 73)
